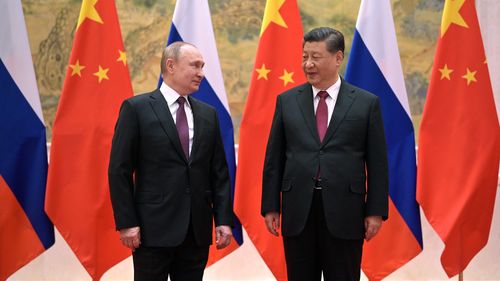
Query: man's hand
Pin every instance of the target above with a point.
(372, 226)
(273, 222)
(223, 236)
(131, 237)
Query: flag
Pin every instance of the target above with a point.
(374, 65)
(277, 68)
(459, 142)
(192, 23)
(25, 228)
(97, 81)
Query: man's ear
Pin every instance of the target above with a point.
(169, 65)
(339, 57)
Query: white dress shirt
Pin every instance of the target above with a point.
(331, 100)
(171, 97)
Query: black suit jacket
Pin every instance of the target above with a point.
(353, 149)
(154, 186)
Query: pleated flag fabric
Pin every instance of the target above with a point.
(459, 141)
(374, 65)
(25, 230)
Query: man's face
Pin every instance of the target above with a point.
(320, 66)
(187, 71)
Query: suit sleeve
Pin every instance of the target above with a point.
(274, 164)
(376, 165)
(122, 163)
(221, 186)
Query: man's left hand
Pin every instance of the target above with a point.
(372, 226)
(223, 236)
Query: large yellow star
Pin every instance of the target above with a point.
(76, 68)
(470, 76)
(88, 11)
(286, 77)
(102, 73)
(122, 57)
(445, 72)
(451, 14)
(272, 14)
(263, 71)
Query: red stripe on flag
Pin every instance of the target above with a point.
(19, 242)
(395, 231)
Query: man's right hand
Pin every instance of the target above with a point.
(131, 237)
(273, 222)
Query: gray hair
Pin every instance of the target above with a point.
(172, 51)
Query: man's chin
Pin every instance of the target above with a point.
(311, 80)
(195, 88)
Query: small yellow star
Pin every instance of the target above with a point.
(445, 72)
(287, 77)
(88, 11)
(102, 73)
(451, 14)
(123, 57)
(272, 14)
(76, 68)
(470, 76)
(263, 71)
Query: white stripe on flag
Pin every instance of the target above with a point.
(197, 29)
(387, 59)
(15, 52)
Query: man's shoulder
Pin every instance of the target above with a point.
(201, 105)
(296, 90)
(348, 87)
(143, 97)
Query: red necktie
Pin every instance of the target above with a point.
(322, 115)
(182, 126)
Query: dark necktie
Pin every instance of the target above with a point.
(322, 125)
(322, 115)
(182, 126)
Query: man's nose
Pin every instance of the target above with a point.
(309, 63)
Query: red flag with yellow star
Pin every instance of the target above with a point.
(97, 81)
(459, 143)
(277, 68)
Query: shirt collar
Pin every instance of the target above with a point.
(332, 91)
(170, 94)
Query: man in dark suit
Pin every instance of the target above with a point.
(326, 142)
(168, 175)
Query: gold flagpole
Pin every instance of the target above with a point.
(461, 276)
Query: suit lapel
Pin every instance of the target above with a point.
(195, 108)
(344, 101)
(160, 108)
(306, 105)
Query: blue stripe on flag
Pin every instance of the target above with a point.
(23, 150)
(363, 71)
(208, 95)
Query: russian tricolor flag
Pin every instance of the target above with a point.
(25, 230)
(192, 23)
(374, 64)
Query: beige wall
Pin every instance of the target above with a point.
(146, 23)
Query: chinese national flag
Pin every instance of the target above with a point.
(97, 81)
(459, 143)
(277, 68)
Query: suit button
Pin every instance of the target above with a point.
(321, 152)
(188, 190)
